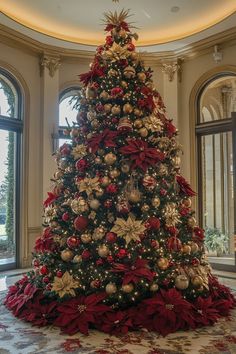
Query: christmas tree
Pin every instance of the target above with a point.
(121, 249)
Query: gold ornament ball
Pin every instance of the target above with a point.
(94, 204)
(91, 115)
(112, 72)
(156, 202)
(142, 76)
(129, 72)
(128, 288)
(137, 112)
(127, 108)
(103, 251)
(176, 160)
(122, 33)
(124, 84)
(138, 123)
(134, 196)
(67, 255)
(125, 167)
(194, 247)
(143, 132)
(114, 173)
(145, 207)
(154, 287)
(77, 258)
(95, 123)
(163, 263)
(181, 282)
(187, 203)
(105, 181)
(107, 107)
(197, 281)
(86, 238)
(104, 95)
(99, 192)
(134, 55)
(115, 110)
(186, 249)
(192, 222)
(111, 288)
(110, 158)
(99, 233)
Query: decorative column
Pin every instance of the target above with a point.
(49, 65)
(171, 83)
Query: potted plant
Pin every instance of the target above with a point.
(216, 242)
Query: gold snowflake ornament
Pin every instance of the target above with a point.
(65, 285)
(129, 229)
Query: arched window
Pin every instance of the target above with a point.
(214, 131)
(11, 126)
(68, 107)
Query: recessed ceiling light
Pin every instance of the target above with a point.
(175, 9)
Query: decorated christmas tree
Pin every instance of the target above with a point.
(121, 249)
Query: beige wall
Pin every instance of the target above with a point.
(40, 164)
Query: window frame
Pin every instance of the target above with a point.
(15, 125)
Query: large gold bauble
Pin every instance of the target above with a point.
(111, 288)
(114, 173)
(138, 123)
(137, 112)
(134, 196)
(143, 132)
(197, 281)
(156, 202)
(86, 238)
(127, 108)
(129, 72)
(77, 258)
(94, 204)
(192, 222)
(186, 249)
(79, 205)
(134, 55)
(103, 251)
(105, 181)
(154, 287)
(110, 158)
(115, 110)
(67, 255)
(194, 247)
(163, 263)
(107, 107)
(181, 282)
(99, 192)
(142, 76)
(104, 95)
(128, 288)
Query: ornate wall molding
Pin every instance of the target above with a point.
(49, 62)
(171, 68)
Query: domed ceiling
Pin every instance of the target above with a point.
(80, 21)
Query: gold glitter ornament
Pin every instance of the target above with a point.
(127, 108)
(197, 281)
(129, 72)
(124, 84)
(86, 238)
(143, 132)
(103, 251)
(111, 288)
(114, 173)
(137, 112)
(67, 255)
(154, 287)
(115, 110)
(186, 249)
(138, 123)
(156, 202)
(125, 167)
(128, 288)
(175, 161)
(90, 93)
(107, 107)
(194, 247)
(77, 259)
(186, 203)
(163, 263)
(94, 204)
(95, 123)
(110, 158)
(99, 233)
(181, 282)
(145, 207)
(142, 76)
(104, 95)
(134, 196)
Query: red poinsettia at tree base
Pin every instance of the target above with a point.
(121, 249)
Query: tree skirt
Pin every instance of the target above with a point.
(18, 337)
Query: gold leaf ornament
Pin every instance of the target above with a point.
(116, 52)
(153, 123)
(171, 214)
(89, 185)
(79, 151)
(129, 229)
(65, 285)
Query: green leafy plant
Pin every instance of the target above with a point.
(216, 241)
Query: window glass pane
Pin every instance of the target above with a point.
(67, 109)
(63, 141)
(8, 98)
(217, 196)
(7, 197)
(218, 99)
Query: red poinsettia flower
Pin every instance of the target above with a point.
(146, 102)
(133, 272)
(95, 72)
(205, 311)
(167, 312)
(223, 306)
(171, 129)
(184, 186)
(38, 313)
(19, 299)
(219, 291)
(198, 234)
(106, 139)
(142, 155)
(76, 314)
(50, 199)
(123, 25)
(45, 242)
(118, 322)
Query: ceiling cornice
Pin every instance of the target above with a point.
(15, 39)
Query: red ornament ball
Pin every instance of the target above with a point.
(195, 262)
(174, 244)
(73, 241)
(111, 237)
(153, 223)
(85, 254)
(122, 253)
(111, 188)
(59, 274)
(80, 223)
(110, 259)
(65, 216)
(154, 244)
(46, 280)
(44, 270)
(36, 263)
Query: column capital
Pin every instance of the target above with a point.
(50, 62)
(170, 68)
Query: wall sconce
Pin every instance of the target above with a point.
(217, 56)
